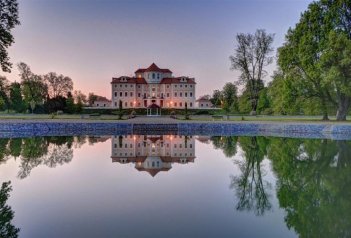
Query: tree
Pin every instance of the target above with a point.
(58, 85)
(251, 56)
(336, 64)
(33, 86)
(8, 20)
(216, 98)
(310, 54)
(16, 99)
(229, 97)
(4, 92)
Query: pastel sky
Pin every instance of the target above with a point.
(93, 40)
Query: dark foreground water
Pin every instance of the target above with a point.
(174, 186)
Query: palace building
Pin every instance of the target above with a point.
(153, 87)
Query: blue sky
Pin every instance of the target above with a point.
(93, 40)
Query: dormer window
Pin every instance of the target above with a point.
(153, 75)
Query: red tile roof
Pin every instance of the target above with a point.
(177, 80)
(129, 80)
(154, 171)
(153, 68)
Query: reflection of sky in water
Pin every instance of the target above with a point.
(93, 197)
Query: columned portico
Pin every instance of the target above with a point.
(153, 110)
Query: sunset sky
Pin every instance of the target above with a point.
(93, 40)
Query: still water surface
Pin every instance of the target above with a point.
(174, 186)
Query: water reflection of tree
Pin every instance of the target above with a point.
(35, 151)
(6, 214)
(314, 185)
(227, 144)
(250, 186)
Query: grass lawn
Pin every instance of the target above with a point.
(208, 118)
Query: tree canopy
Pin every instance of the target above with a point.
(8, 20)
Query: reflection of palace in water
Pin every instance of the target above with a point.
(153, 153)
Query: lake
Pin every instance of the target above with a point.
(174, 186)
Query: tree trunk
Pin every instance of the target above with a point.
(253, 107)
(343, 108)
(325, 110)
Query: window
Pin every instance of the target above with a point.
(191, 94)
(97, 104)
(181, 86)
(138, 86)
(115, 94)
(131, 104)
(126, 85)
(180, 94)
(120, 85)
(153, 75)
(186, 94)
(167, 86)
(131, 94)
(158, 76)
(126, 104)
(115, 104)
(191, 104)
(175, 94)
(186, 85)
(126, 94)
(191, 86)
(168, 95)
(139, 95)
(115, 85)
(180, 104)
(120, 94)
(175, 146)
(175, 85)
(175, 104)
(131, 85)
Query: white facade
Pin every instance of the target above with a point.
(153, 86)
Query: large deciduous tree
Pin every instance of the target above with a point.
(34, 88)
(8, 20)
(58, 85)
(252, 55)
(316, 53)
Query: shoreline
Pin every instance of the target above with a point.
(59, 127)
